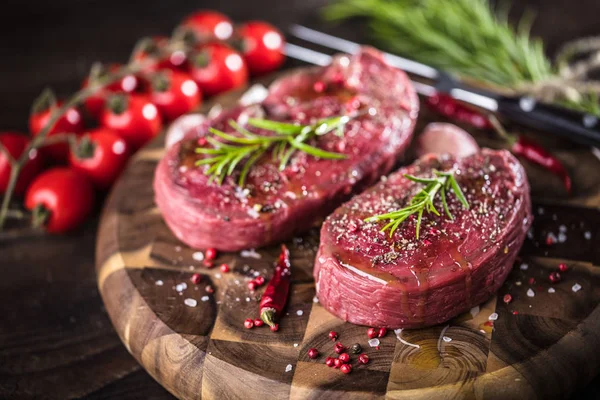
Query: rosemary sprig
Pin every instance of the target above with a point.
(247, 148)
(468, 38)
(423, 201)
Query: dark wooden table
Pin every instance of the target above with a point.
(56, 340)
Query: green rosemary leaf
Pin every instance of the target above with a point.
(207, 150)
(285, 158)
(314, 151)
(219, 145)
(445, 204)
(205, 161)
(242, 130)
(239, 157)
(329, 124)
(282, 128)
(420, 180)
(248, 165)
(237, 139)
(458, 192)
(419, 217)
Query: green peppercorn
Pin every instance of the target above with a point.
(356, 348)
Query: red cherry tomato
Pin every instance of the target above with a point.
(70, 122)
(208, 25)
(16, 143)
(174, 93)
(101, 154)
(151, 54)
(60, 197)
(262, 46)
(95, 103)
(217, 68)
(133, 117)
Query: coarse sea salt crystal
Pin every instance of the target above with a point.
(315, 299)
(299, 312)
(204, 298)
(587, 235)
(576, 287)
(530, 293)
(251, 253)
(562, 237)
(190, 302)
(524, 267)
(541, 210)
(180, 287)
(288, 368)
(551, 290)
(159, 283)
(493, 316)
(447, 339)
(253, 213)
(518, 283)
(295, 344)
(198, 256)
(374, 342)
(562, 228)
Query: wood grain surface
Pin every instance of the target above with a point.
(540, 347)
(56, 341)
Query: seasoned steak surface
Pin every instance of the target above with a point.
(367, 277)
(273, 205)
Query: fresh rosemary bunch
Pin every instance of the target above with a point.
(422, 202)
(467, 38)
(226, 154)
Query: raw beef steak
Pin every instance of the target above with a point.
(365, 277)
(273, 205)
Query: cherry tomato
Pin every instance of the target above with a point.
(151, 53)
(101, 154)
(133, 117)
(60, 199)
(16, 143)
(95, 103)
(207, 26)
(217, 68)
(70, 122)
(261, 45)
(174, 93)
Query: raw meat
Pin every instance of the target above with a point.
(274, 205)
(365, 277)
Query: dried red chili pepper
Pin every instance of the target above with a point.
(533, 152)
(448, 107)
(275, 296)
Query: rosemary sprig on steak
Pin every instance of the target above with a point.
(422, 202)
(245, 150)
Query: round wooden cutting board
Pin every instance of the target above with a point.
(191, 338)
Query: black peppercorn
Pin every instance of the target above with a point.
(355, 349)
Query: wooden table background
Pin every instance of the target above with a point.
(56, 340)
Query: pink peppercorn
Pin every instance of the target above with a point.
(196, 278)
